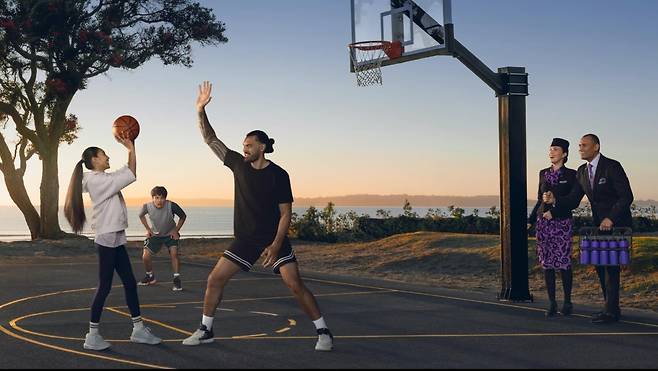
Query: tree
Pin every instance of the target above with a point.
(408, 210)
(493, 212)
(49, 49)
(457, 212)
(434, 214)
(383, 214)
(328, 217)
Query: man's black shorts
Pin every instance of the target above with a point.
(245, 254)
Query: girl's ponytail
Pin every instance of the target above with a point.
(74, 209)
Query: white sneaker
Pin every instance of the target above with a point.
(200, 336)
(325, 340)
(143, 335)
(95, 342)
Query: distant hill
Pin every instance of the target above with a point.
(398, 200)
(370, 200)
(185, 202)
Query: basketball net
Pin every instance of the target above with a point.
(367, 58)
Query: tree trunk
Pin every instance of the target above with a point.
(18, 193)
(50, 194)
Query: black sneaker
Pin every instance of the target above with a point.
(148, 280)
(177, 284)
(200, 336)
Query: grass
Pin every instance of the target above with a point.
(473, 262)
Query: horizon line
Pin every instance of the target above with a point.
(304, 201)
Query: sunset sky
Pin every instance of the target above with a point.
(431, 129)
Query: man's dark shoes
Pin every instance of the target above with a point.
(605, 318)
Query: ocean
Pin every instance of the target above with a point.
(212, 222)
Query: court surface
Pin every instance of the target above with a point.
(44, 314)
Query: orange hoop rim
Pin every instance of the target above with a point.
(371, 45)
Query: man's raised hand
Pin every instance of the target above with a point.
(205, 89)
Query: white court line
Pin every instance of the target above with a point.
(265, 313)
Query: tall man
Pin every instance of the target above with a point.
(262, 216)
(606, 185)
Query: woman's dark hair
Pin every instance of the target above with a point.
(263, 138)
(74, 209)
(159, 191)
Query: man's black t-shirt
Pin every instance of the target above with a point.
(258, 194)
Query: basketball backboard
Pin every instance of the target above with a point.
(418, 25)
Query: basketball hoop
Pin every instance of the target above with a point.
(367, 57)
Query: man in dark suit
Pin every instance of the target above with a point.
(606, 185)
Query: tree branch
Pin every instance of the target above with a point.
(89, 15)
(21, 127)
(26, 55)
(5, 155)
(24, 156)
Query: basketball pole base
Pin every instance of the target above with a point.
(515, 297)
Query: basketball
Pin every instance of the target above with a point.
(126, 124)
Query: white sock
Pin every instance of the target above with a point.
(93, 328)
(150, 274)
(207, 321)
(138, 323)
(319, 323)
(176, 275)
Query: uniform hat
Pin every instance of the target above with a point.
(562, 143)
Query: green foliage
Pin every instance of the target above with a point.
(326, 225)
(456, 212)
(493, 212)
(50, 49)
(383, 214)
(408, 210)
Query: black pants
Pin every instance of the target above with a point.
(109, 260)
(609, 279)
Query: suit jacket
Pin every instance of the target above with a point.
(610, 198)
(566, 182)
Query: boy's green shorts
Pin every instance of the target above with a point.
(154, 244)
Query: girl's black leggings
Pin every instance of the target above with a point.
(109, 260)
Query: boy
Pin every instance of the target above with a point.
(164, 232)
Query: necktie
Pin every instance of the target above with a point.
(590, 170)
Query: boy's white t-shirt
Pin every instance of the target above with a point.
(110, 214)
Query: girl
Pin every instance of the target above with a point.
(109, 223)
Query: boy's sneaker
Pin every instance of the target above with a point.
(325, 340)
(148, 280)
(95, 342)
(177, 284)
(200, 336)
(143, 335)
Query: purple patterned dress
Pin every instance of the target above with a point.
(554, 236)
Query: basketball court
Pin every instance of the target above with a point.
(377, 324)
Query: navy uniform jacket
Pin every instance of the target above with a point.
(611, 197)
(566, 182)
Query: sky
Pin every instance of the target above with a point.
(432, 128)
